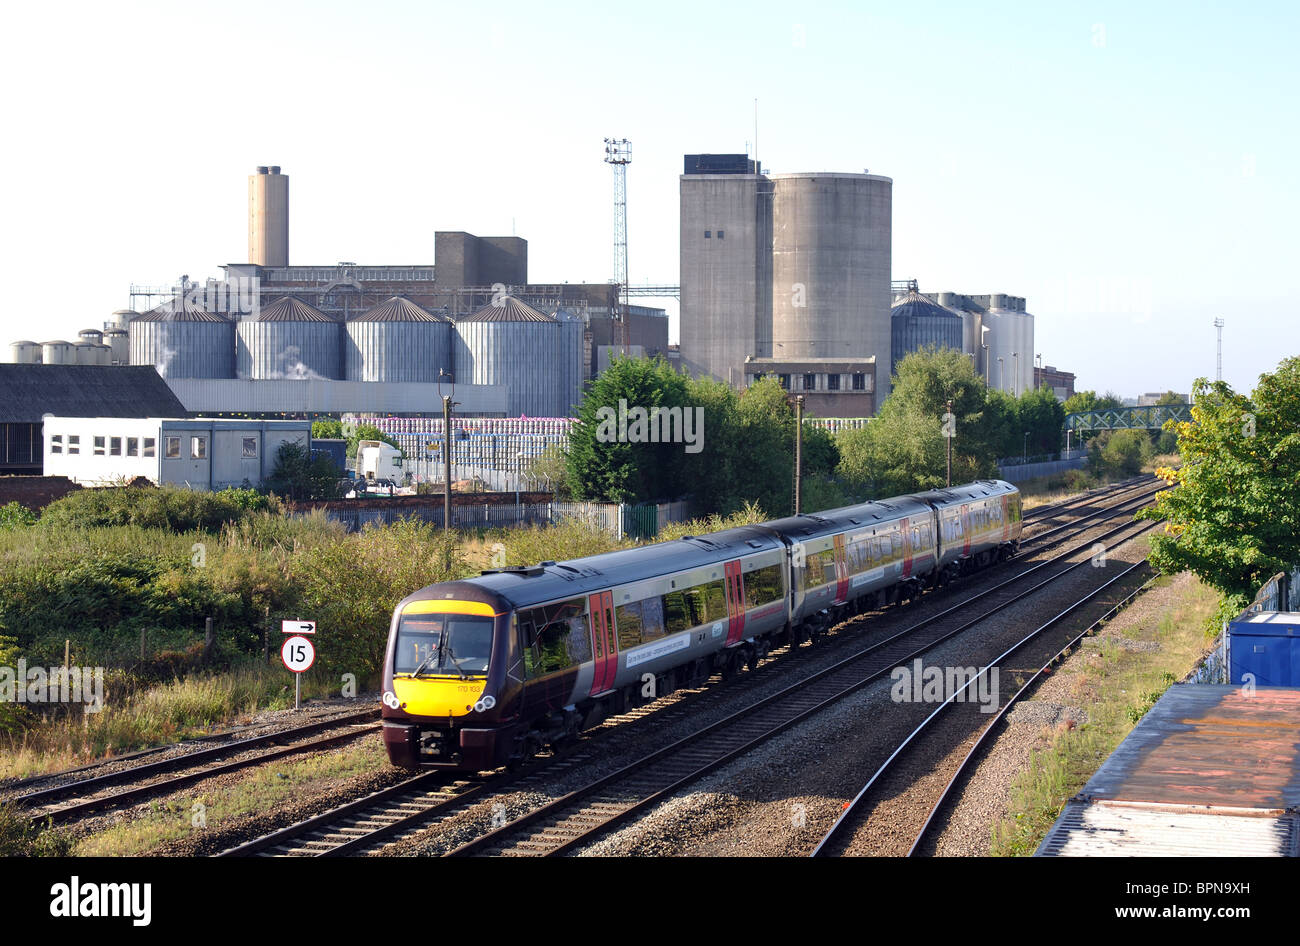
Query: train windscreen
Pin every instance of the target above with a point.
(443, 644)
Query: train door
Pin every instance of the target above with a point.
(907, 548)
(965, 529)
(841, 571)
(735, 586)
(604, 643)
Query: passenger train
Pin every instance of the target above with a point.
(487, 671)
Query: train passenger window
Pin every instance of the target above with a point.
(763, 585)
(627, 618)
(898, 544)
(652, 618)
(715, 602)
(554, 637)
(677, 616)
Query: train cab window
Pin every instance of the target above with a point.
(763, 585)
(442, 644)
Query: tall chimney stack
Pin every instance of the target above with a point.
(268, 217)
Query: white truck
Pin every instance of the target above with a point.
(377, 460)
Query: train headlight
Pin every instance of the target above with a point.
(391, 700)
(486, 703)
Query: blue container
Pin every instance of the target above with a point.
(335, 450)
(1265, 645)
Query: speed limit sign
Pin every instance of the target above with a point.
(297, 653)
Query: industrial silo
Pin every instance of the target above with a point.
(25, 353)
(917, 322)
(119, 344)
(183, 340)
(122, 318)
(289, 339)
(1011, 345)
(508, 342)
(87, 353)
(570, 341)
(90, 336)
(397, 341)
(831, 248)
(268, 217)
(58, 353)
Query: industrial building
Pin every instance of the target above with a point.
(999, 334)
(371, 327)
(1061, 382)
(28, 392)
(197, 452)
(787, 274)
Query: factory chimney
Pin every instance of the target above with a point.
(268, 217)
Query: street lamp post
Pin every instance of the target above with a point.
(984, 344)
(1015, 374)
(1025, 455)
(1002, 375)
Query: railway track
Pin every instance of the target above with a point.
(861, 807)
(95, 793)
(426, 799)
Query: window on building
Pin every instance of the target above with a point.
(114, 446)
(173, 448)
(721, 234)
(74, 443)
(151, 447)
(99, 446)
(708, 234)
(250, 448)
(810, 382)
(832, 382)
(784, 380)
(132, 446)
(56, 443)
(859, 381)
(198, 448)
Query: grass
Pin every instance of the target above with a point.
(1115, 686)
(270, 785)
(150, 716)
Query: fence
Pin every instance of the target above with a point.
(1019, 472)
(1279, 593)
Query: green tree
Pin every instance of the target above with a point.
(365, 432)
(1234, 518)
(327, 429)
(611, 455)
(1042, 416)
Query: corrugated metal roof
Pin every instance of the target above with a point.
(915, 304)
(179, 310)
(1208, 769)
(398, 309)
(508, 309)
(27, 392)
(291, 309)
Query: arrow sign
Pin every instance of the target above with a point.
(297, 627)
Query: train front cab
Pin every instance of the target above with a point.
(446, 689)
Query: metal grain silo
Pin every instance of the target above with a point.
(397, 341)
(58, 353)
(569, 352)
(916, 322)
(118, 341)
(87, 353)
(289, 339)
(122, 318)
(1010, 339)
(510, 343)
(90, 336)
(831, 246)
(183, 340)
(24, 353)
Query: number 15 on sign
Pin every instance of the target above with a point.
(298, 654)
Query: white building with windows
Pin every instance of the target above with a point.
(199, 452)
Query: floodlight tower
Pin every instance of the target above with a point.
(1218, 362)
(618, 153)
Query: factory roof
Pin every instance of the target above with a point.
(28, 392)
(398, 309)
(291, 309)
(507, 309)
(1208, 770)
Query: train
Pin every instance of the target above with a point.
(488, 671)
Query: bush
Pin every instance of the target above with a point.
(165, 507)
(20, 838)
(16, 516)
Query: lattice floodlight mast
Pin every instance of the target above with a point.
(618, 154)
(1218, 360)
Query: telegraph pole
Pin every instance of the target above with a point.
(950, 432)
